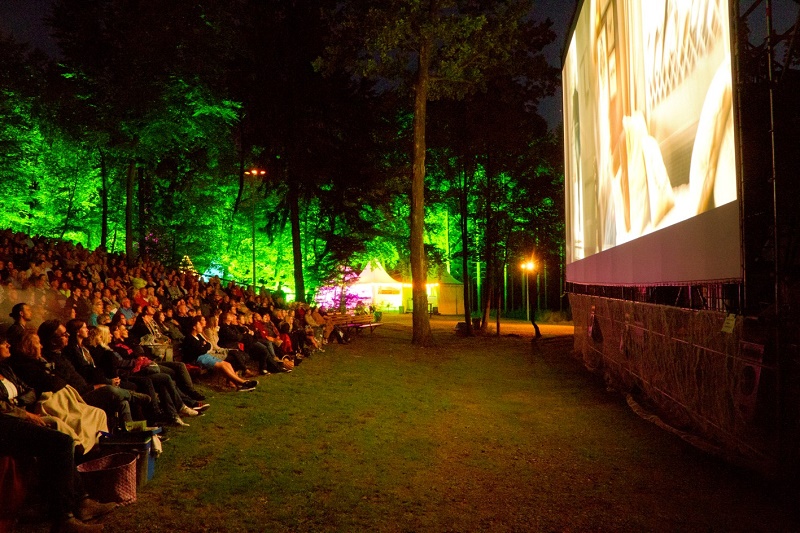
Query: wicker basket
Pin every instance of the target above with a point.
(111, 478)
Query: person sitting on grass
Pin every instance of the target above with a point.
(196, 348)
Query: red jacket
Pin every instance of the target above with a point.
(286, 345)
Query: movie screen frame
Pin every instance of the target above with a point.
(650, 142)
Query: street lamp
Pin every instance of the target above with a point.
(527, 267)
(254, 173)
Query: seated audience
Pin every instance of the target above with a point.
(25, 435)
(63, 406)
(233, 337)
(197, 349)
(167, 401)
(97, 390)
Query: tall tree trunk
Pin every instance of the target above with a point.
(104, 201)
(143, 197)
(131, 177)
(297, 245)
(421, 334)
(498, 299)
(490, 239)
(240, 192)
(464, 221)
(70, 205)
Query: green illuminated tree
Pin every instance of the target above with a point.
(482, 154)
(124, 61)
(434, 49)
(313, 135)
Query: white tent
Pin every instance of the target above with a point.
(376, 287)
(446, 293)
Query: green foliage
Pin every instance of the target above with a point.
(191, 104)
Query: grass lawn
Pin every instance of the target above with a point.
(474, 434)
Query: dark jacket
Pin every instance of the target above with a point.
(65, 370)
(229, 336)
(90, 372)
(26, 396)
(192, 348)
(14, 334)
(37, 373)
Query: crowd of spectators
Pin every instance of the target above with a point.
(92, 343)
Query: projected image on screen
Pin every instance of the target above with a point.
(648, 119)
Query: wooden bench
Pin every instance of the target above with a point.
(352, 324)
(371, 327)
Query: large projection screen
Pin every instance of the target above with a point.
(649, 144)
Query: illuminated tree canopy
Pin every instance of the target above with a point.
(138, 136)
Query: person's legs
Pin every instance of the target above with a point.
(180, 374)
(227, 370)
(112, 400)
(54, 451)
(299, 341)
(271, 362)
(260, 354)
(168, 396)
(145, 385)
(237, 359)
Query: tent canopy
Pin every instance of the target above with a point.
(375, 273)
(443, 278)
(377, 287)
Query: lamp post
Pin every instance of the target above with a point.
(254, 173)
(527, 267)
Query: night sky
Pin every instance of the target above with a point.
(24, 20)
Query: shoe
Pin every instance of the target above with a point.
(196, 395)
(265, 372)
(140, 399)
(178, 422)
(89, 509)
(73, 525)
(201, 406)
(162, 421)
(188, 411)
(248, 385)
(286, 370)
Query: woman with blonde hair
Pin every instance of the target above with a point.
(236, 358)
(65, 408)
